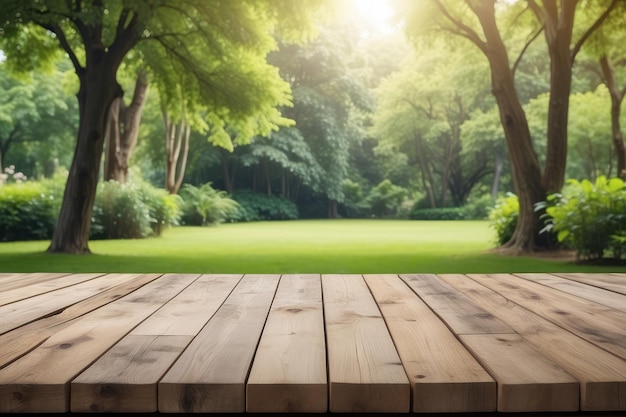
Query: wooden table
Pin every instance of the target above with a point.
(421, 343)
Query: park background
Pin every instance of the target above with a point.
(385, 111)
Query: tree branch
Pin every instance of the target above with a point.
(521, 54)
(56, 29)
(463, 29)
(592, 29)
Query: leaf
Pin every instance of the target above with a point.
(616, 184)
(562, 235)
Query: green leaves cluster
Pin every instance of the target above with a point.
(503, 217)
(205, 205)
(589, 217)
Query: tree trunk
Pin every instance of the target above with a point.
(617, 97)
(558, 40)
(497, 174)
(524, 163)
(98, 90)
(228, 183)
(177, 147)
(427, 178)
(123, 130)
(333, 213)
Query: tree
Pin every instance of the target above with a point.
(557, 19)
(98, 34)
(123, 130)
(34, 109)
(477, 22)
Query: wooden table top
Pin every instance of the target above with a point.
(413, 343)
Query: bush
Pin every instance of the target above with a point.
(588, 217)
(503, 217)
(256, 207)
(479, 208)
(204, 205)
(119, 212)
(28, 211)
(448, 213)
(164, 208)
(385, 199)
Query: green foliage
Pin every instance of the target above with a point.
(205, 205)
(447, 213)
(385, 199)
(27, 211)
(478, 208)
(589, 217)
(119, 212)
(503, 217)
(256, 207)
(164, 209)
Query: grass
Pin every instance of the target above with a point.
(311, 246)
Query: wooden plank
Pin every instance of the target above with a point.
(588, 292)
(459, 312)
(21, 312)
(611, 282)
(16, 294)
(364, 369)
(289, 369)
(125, 378)
(39, 381)
(12, 281)
(596, 323)
(19, 342)
(186, 314)
(527, 381)
(602, 376)
(445, 377)
(211, 373)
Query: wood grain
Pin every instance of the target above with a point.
(21, 293)
(461, 314)
(611, 282)
(527, 380)
(445, 378)
(26, 338)
(588, 292)
(125, 378)
(601, 325)
(21, 312)
(365, 372)
(602, 376)
(211, 373)
(289, 369)
(39, 381)
(12, 281)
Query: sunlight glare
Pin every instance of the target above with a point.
(375, 15)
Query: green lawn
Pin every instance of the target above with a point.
(315, 246)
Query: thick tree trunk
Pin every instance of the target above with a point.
(98, 90)
(524, 163)
(560, 86)
(617, 97)
(123, 130)
(333, 212)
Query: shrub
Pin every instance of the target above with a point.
(447, 213)
(119, 212)
(256, 207)
(164, 208)
(205, 206)
(503, 217)
(385, 199)
(588, 217)
(478, 208)
(355, 203)
(28, 211)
